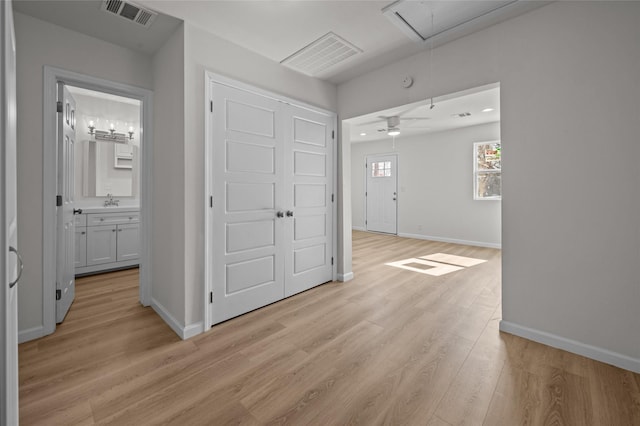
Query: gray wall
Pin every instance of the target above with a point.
(435, 183)
(39, 43)
(168, 215)
(569, 85)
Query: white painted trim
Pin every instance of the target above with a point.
(184, 332)
(192, 330)
(50, 78)
(358, 228)
(208, 192)
(451, 240)
(210, 77)
(573, 346)
(31, 334)
(345, 277)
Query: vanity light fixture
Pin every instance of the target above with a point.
(394, 131)
(111, 135)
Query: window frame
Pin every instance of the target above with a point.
(477, 172)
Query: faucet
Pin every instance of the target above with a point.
(110, 201)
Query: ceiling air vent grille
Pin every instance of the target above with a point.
(322, 54)
(129, 11)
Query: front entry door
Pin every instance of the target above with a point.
(66, 229)
(382, 193)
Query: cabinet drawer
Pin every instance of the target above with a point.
(94, 219)
(81, 220)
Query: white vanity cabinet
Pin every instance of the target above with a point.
(81, 241)
(108, 240)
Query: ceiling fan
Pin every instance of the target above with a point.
(393, 122)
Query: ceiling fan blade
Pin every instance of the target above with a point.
(415, 118)
(366, 123)
(406, 111)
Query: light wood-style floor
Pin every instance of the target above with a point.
(390, 347)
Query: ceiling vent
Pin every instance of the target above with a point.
(322, 54)
(129, 11)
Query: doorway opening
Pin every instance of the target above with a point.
(97, 185)
(99, 182)
(449, 186)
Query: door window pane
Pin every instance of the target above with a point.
(381, 169)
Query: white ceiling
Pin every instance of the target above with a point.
(419, 118)
(272, 28)
(102, 95)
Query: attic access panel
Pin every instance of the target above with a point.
(414, 17)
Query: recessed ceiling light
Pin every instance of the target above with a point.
(487, 110)
(363, 134)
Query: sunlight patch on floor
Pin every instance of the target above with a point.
(436, 264)
(436, 269)
(452, 259)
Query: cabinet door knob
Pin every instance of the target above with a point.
(280, 214)
(82, 233)
(113, 230)
(289, 213)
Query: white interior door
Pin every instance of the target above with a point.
(248, 202)
(65, 274)
(10, 263)
(309, 183)
(382, 193)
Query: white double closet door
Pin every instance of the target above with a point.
(272, 222)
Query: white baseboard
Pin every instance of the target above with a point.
(184, 332)
(345, 277)
(451, 240)
(358, 228)
(31, 334)
(593, 352)
(193, 330)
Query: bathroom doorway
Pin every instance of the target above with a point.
(98, 227)
(97, 167)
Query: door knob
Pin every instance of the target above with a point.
(289, 213)
(280, 214)
(20, 266)
(77, 211)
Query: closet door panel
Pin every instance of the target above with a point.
(309, 183)
(247, 182)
